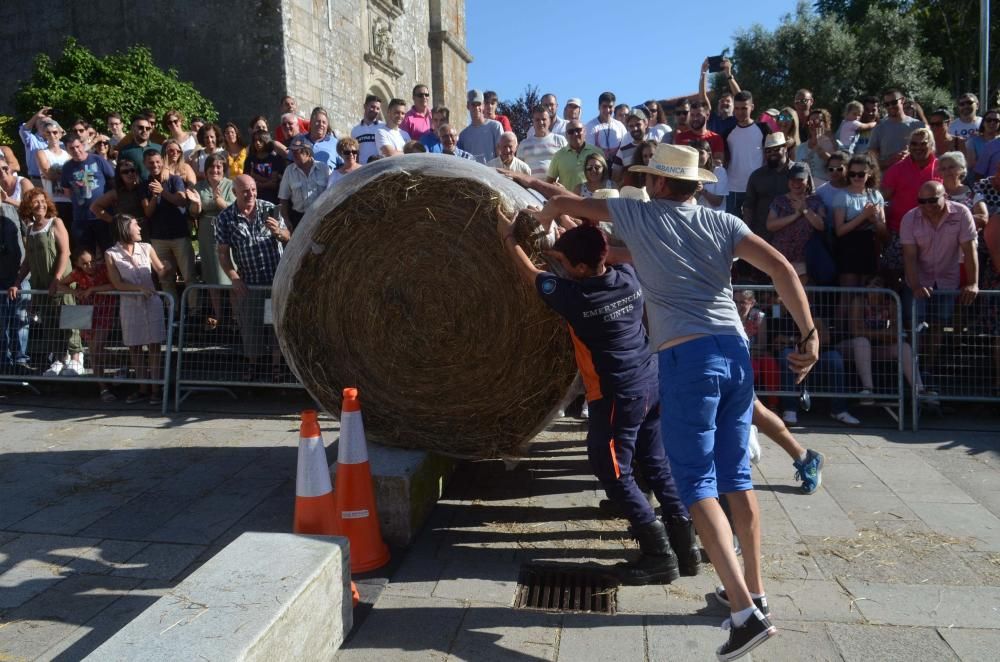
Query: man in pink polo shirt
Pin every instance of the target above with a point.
(934, 236)
(417, 120)
(900, 185)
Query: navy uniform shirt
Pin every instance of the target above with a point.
(605, 318)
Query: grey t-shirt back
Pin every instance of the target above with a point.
(683, 255)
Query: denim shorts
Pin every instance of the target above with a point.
(706, 405)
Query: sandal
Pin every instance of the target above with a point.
(107, 395)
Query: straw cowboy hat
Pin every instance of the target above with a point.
(776, 139)
(676, 162)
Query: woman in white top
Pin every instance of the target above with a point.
(210, 139)
(596, 176)
(50, 163)
(712, 194)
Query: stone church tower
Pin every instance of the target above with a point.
(245, 55)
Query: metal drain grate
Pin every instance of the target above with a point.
(564, 589)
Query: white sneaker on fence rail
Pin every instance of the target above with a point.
(55, 369)
(73, 368)
(845, 418)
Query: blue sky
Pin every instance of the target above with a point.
(656, 47)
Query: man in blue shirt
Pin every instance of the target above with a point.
(33, 143)
(88, 177)
(604, 306)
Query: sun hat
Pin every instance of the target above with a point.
(605, 194)
(676, 162)
(776, 139)
(634, 193)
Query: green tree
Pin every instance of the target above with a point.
(518, 111)
(836, 62)
(80, 84)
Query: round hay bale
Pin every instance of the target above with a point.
(396, 283)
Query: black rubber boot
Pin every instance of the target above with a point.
(657, 563)
(682, 538)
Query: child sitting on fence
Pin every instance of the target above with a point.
(91, 277)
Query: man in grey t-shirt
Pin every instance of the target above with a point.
(480, 138)
(890, 136)
(682, 254)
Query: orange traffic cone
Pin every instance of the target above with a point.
(315, 509)
(355, 495)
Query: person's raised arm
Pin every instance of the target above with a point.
(546, 188)
(525, 269)
(589, 210)
(763, 256)
(703, 86)
(727, 70)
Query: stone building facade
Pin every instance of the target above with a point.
(245, 55)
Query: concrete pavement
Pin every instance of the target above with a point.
(103, 510)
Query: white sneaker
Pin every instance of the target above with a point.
(845, 418)
(585, 411)
(790, 417)
(73, 368)
(54, 370)
(867, 400)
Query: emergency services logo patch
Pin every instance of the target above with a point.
(549, 286)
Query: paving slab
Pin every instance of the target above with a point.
(490, 634)
(406, 628)
(910, 477)
(816, 515)
(680, 638)
(485, 582)
(927, 605)
(889, 644)
(961, 520)
(163, 561)
(798, 640)
(811, 600)
(972, 645)
(597, 638)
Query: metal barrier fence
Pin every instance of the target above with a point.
(52, 338)
(227, 342)
(957, 348)
(862, 351)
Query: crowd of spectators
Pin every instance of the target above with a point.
(888, 198)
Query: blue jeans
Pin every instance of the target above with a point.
(734, 203)
(623, 427)
(827, 375)
(13, 330)
(938, 308)
(706, 402)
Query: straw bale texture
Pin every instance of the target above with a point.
(397, 283)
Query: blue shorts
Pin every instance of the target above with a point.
(706, 405)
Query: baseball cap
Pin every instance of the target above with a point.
(300, 142)
(639, 111)
(474, 96)
(574, 101)
(799, 171)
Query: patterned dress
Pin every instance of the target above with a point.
(142, 317)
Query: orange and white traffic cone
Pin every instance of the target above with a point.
(355, 495)
(315, 509)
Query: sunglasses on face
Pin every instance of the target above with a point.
(784, 118)
(422, 94)
(594, 168)
(680, 112)
(918, 144)
(352, 152)
(891, 102)
(173, 120)
(103, 143)
(772, 150)
(857, 174)
(928, 201)
(936, 123)
(574, 132)
(144, 128)
(129, 171)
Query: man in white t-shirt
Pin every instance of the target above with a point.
(551, 104)
(604, 131)
(365, 131)
(538, 148)
(967, 124)
(390, 138)
(744, 148)
(506, 159)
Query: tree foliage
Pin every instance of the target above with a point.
(836, 61)
(80, 84)
(948, 29)
(518, 111)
